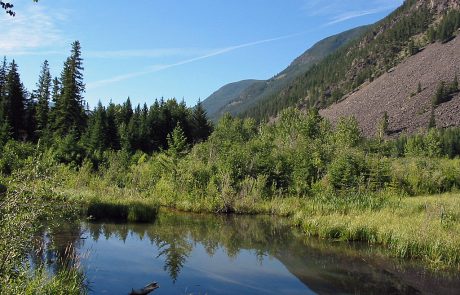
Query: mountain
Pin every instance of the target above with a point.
(357, 66)
(397, 93)
(237, 97)
(226, 95)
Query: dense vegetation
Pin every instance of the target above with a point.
(56, 115)
(123, 163)
(384, 45)
(51, 126)
(299, 166)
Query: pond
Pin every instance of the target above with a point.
(207, 254)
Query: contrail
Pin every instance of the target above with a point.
(158, 68)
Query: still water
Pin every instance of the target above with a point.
(206, 254)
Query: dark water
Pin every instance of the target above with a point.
(204, 254)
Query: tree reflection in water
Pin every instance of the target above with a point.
(321, 266)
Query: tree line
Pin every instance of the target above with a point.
(56, 114)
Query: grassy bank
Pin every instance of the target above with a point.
(334, 183)
(109, 205)
(27, 206)
(424, 227)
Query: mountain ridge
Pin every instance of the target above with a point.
(238, 96)
(387, 43)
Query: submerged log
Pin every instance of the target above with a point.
(146, 290)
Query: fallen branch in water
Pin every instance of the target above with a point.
(146, 290)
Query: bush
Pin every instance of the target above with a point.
(348, 170)
(426, 176)
(14, 154)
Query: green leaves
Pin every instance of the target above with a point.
(177, 143)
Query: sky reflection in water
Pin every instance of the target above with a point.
(204, 254)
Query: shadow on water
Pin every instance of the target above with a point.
(207, 254)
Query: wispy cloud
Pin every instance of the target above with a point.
(35, 27)
(146, 53)
(355, 14)
(157, 68)
(338, 11)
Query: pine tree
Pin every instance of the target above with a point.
(126, 112)
(412, 48)
(454, 85)
(97, 128)
(43, 95)
(112, 135)
(201, 126)
(3, 72)
(153, 121)
(144, 129)
(432, 122)
(30, 122)
(69, 110)
(3, 111)
(177, 142)
(383, 126)
(13, 101)
(440, 95)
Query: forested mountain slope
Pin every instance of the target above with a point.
(406, 93)
(237, 97)
(391, 41)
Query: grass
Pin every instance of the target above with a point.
(424, 227)
(421, 227)
(113, 207)
(40, 282)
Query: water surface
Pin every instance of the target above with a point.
(206, 254)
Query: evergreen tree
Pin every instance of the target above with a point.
(412, 48)
(4, 126)
(69, 109)
(201, 126)
(177, 142)
(54, 107)
(144, 129)
(432, 122)
(13, 103)
(112, 136)
(30, 116)
(153, 121)
(97, 128)
(3, 72)
(383, 126)
(454, 85)
(43, 95)
(126, 112)
(441, 94)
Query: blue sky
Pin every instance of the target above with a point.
(147, 49)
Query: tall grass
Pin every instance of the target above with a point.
(425, 227)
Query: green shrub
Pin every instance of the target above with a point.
(348, 170)
(14, 155)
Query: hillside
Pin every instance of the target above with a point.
(386, 44)
(225, 95)
(396, 93)
(239, 96)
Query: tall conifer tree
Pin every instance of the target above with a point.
(201, 127)
(43, 95)
(13, 102)
(69, 109)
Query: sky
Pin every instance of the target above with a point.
(183, 49)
